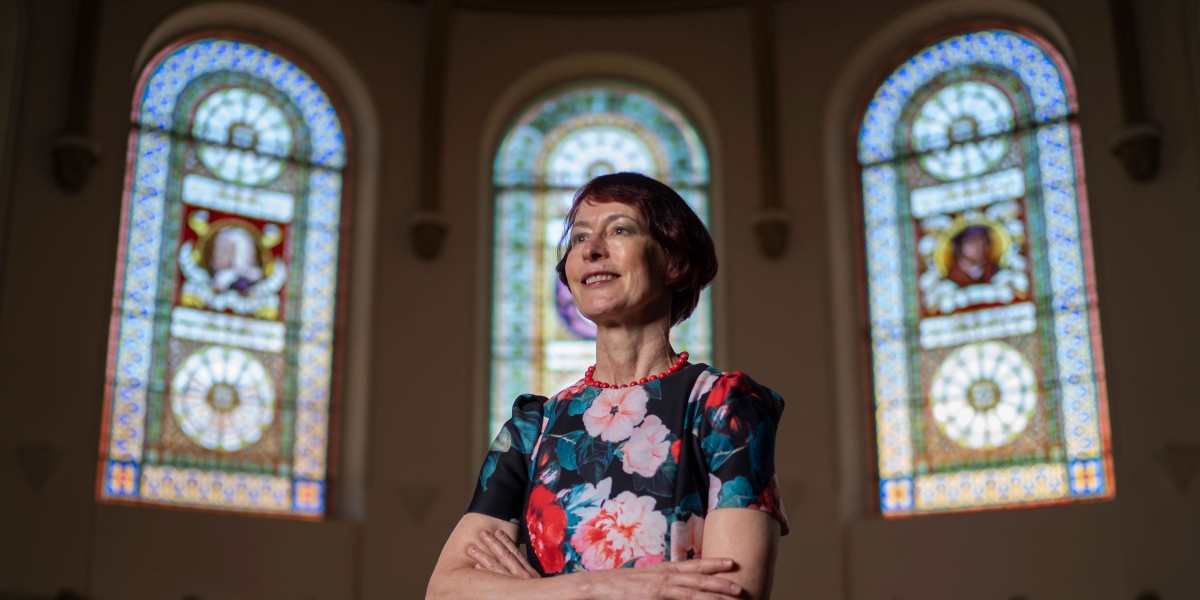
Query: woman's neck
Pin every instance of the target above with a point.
(629, 354)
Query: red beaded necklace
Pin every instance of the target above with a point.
(679, 362)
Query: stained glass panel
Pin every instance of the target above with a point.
(221, 349)
(985, 341)
(540, 342)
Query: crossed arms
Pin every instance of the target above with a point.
(480, 561)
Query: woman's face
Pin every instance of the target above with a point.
(614, 267)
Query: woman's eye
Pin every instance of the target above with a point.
(580, 237)
(619, 229)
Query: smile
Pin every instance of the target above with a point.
(599, 278)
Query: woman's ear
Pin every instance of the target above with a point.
(670, 270)
(674, 272)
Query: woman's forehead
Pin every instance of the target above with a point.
(591, 212)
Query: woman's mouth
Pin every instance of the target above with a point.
(599, 278)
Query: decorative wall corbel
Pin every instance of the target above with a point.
(771, 225)
(427, 227)
(38, 461)
(75, 152)
(771, 228)
(73, 155)
(428, 230)
(1180, 460)
(1138, 144)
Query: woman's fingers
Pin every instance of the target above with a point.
(689, 583)
(697, 565)
(505, 553)
(484, 560)
(510, 546)
(693, 580)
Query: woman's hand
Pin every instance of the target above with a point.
(500, 555)
(694, 579)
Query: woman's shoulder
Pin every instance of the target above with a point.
(527, 403)
(714, 387)
(570, 391)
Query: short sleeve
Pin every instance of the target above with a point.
(504, 478)
(738, 422)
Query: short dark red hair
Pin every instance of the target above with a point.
(688, 251)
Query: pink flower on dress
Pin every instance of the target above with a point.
(687, 538)
(647, 447)
(614, 413)
(649, 559)
(704, 383)
(538, 443)
(714, 491)
(622, 529)
(576, 389)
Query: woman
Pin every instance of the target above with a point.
(650, 477)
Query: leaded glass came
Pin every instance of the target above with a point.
(560, 141)
(221, 380)
(985, 340)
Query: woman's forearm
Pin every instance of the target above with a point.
(469, 583)
(698, 579)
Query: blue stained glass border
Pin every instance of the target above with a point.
(187, 62)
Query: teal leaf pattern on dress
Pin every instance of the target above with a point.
(567, 448)
(719, 448)
(489, 467)
(502, 442)
(662, 483)
(735, 493)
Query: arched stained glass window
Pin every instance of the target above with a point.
(540, 342)
(222, 346)
(985, 341)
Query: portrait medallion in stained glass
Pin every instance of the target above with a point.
(221, 378)
(985, 362)
(560, 141)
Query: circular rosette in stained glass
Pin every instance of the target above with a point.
(243, 136)
(983, 395)
(223, 398)
(596, 150)
(958, 131)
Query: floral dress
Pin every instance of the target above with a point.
(605, 478)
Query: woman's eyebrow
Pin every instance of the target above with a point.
(605, 219)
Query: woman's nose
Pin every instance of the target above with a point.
(593, 248)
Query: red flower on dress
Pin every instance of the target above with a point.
(770, 501)
(547, 522)
(721, 387)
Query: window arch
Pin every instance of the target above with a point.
(986, 365)
(222, 349)
(558, 142)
